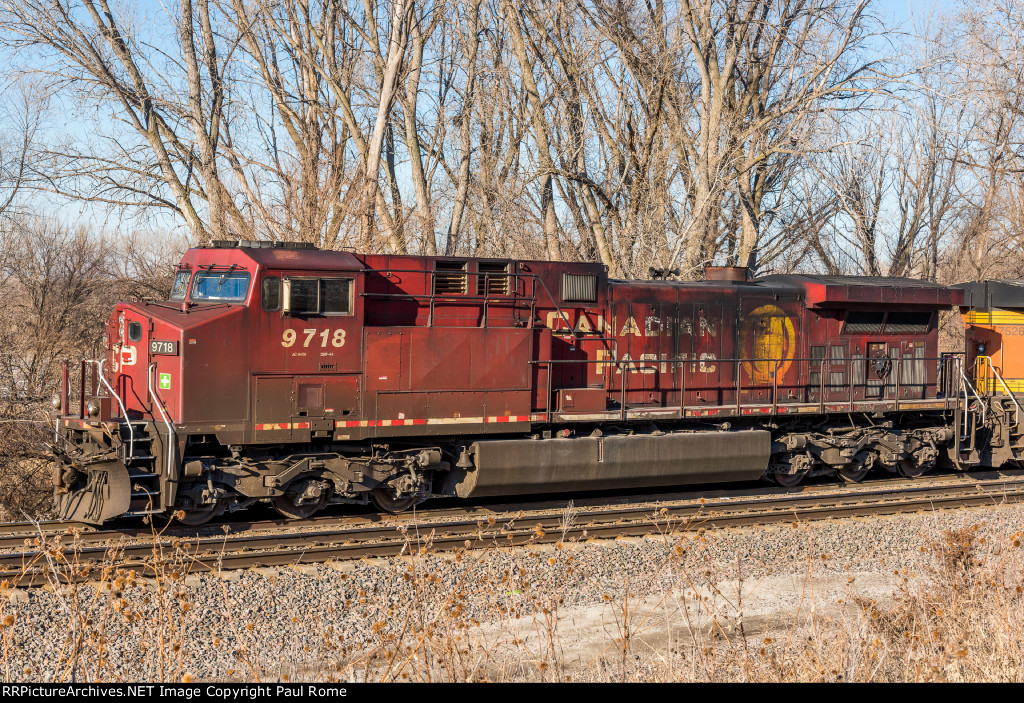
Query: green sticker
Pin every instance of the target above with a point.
(165, 381)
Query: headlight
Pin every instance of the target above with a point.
(92, 408)
(55, 402)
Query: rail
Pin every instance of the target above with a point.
(939, 375)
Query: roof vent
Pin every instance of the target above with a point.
(736, 274)
(258, 244)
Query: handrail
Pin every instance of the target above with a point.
(988, 360)
(772, 382)
(469, 297)
(160, 406)
(124, 413)
(964, 385)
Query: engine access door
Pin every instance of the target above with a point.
(304, 407)
(879, 367)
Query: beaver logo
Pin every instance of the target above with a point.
(767, 337)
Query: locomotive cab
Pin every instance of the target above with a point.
(248, 332)
(993, 315)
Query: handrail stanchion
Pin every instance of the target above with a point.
(896, 370)
(821, 392)
(775, 388)
(849, 376)
(625, 382)
(549, 401)
(739, 389)
(81, 391)
(65, 389)
(682, 390)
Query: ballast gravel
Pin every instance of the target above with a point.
(322, 620)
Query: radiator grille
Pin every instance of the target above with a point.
(579, 288)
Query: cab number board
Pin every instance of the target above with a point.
(157, 346)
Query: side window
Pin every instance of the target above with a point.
(318, 296)
(304, 296)
(336, 296)
(272, 293)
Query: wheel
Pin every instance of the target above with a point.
(788, 480)
(853, 474)
(858, 470)
(923, 461)
(200, 515)
(909, 468)
(383, 497)
(288, 506)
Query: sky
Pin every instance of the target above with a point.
(905, 12)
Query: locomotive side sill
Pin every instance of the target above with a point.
(638, 413)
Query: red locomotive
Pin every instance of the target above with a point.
(282, 373)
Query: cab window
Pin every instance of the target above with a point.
(337, 295)
(318, 296)
(271, 293)
(180, 286)
(220, 285)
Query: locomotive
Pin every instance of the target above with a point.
(281, 373)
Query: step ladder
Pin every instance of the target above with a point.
(137, 453)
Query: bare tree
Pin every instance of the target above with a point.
(987, 43)
(169, 103)
(23, 110)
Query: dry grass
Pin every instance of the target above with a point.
(501, 615)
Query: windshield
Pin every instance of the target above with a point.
(180, 285)
(220, 285)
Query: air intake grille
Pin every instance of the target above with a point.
(450, 277)
(908, 322)
(863, 322)
(579, 288)
(310, 396)
(492, 279)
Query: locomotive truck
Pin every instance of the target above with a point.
(280, 373)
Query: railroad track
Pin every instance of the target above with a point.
(14, 534)
(277, 543)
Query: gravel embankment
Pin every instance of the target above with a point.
(301, 623)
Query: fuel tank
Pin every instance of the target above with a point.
(518, 467)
